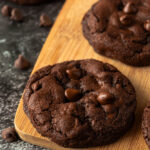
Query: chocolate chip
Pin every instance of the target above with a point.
(109, 108)
(147, 25)
(72, 94)
(6, 10)
(126, 20)
(9, 134)
(21, 63)
(130, 8)
(73, 73)
(105, 98)
(16, 14)
(45, 21)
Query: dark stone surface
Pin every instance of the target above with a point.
(24, 38)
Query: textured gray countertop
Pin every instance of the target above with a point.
(24, 38)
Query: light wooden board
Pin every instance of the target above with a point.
(66, 42)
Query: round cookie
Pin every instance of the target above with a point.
(146, 124)
(80, 103)
(120, 29)
(26, 2)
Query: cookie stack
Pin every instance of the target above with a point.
(86, 103)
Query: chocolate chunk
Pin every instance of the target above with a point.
(130, 8)
(105, 98)
(16, 14)
(147, 25)
(21, 63)
(6, 10)
(72, 94)
(74, 73)
(9, 134)
(45, 21)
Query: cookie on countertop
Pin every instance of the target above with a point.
(146, 124)
(80, 103)
(120, 29)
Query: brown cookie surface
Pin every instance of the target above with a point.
(120, 29)
(80, 103)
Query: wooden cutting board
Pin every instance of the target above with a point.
(66, 42)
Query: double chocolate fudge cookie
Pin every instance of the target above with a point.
(146, 124)
(120, 29)
(80, 103)
(24, 2)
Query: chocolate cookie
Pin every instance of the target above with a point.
(120, 29)
(146, 124)
(24, 2)
(80, 103)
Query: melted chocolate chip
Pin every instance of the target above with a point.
(72, 94)
(105, 98)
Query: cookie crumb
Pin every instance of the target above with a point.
(22, 63)
(9, 134)
(45, 21)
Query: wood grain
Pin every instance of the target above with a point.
(66, 42)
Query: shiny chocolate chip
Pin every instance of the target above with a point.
(147, 25)
(126, 20)
(72, 94)
(130, 8)
(105, 98)
(73, 73)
